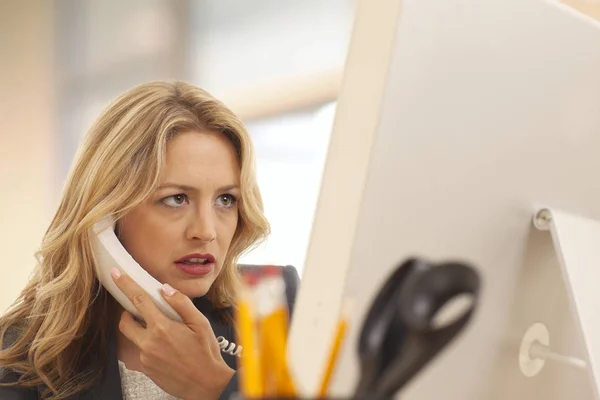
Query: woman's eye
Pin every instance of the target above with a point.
(226, 200)
(176, 200)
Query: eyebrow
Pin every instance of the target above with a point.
(188, 188)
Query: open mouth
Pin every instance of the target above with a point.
(196, 261)
(196, 264)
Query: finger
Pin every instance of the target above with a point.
(188, 312)
(138, 297)
(131, 328)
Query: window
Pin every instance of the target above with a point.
(291, 152)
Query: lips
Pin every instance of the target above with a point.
(197, 259)
(196, 264)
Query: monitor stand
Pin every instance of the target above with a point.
(576, 241)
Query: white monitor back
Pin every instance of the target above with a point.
(456, 119)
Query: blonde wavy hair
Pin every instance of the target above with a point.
(62, 318)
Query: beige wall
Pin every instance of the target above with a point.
(26, 143)
(589, 7)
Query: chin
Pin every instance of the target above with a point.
(194, 288)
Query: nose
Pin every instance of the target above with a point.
(202, 224)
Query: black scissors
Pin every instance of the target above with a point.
(399, 335)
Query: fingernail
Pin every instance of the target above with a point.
(115, 273)
(168, 290)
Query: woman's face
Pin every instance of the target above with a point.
(182, 233)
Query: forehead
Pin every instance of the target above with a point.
(201, 159)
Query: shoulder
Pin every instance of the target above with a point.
(292, 281)
(9, 376)
(15, 392)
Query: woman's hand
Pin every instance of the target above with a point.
(184, 359)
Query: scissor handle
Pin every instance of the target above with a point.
(398, 337)
(382, 308)
(376, 325)
(421, 297)
(424, 293)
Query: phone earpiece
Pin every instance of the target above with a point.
(109, 253)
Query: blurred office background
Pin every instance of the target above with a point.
(277, 63)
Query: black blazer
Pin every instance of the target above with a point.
(108, 386)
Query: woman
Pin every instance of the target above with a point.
(174, 167)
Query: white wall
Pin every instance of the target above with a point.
(272, 55)
(269, 41)
(291, 152)
(106, 47)
(26, 138)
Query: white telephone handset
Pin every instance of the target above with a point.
(109, 253)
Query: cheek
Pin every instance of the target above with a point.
(228, 227)
(149, 245)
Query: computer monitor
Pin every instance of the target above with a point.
(456, 120)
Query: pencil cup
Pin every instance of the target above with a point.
(300, 398)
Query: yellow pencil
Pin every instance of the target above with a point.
(274, 334)
(250, 372)
(273, 312)
(335, 349)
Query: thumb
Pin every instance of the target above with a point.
(188, 312)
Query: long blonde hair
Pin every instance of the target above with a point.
(63, 313)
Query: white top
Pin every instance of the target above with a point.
(137, 386)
